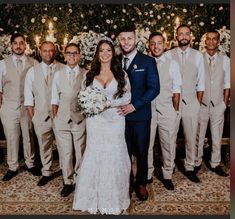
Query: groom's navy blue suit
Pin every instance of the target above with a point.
(144, 80)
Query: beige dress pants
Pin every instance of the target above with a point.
(14, 122)
(216, 116)
(190, 116)
(72, 144)
(165, 121)
(45, 136)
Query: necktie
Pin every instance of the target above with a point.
(211, 59)
(183, 57)
(126, 60)
(158, 61)
(72, 77)
(19, 64)
(49, 75)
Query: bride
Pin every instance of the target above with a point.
(103, 182)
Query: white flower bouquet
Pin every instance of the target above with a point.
(92, 101)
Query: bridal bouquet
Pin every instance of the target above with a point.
(91, 101)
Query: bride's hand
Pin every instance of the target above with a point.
(126, 109)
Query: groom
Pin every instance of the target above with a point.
(143, 76)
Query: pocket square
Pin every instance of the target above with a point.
(139, 69)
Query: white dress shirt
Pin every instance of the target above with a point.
(3, 67)
(54, 91)
(130, 57)
(226, 68)
(28, 89)
(199, 62)
(174, 71)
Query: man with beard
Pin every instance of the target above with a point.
(214, 102)
(37, 93)
(193, 73)
(144, 80)
(13, 112)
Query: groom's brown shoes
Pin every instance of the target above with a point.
(141, 192)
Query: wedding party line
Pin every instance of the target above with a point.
(106, 118)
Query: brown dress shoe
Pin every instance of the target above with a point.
(141, 192)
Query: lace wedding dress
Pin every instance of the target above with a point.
(102, 185)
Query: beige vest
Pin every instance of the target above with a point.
(189, 76)
(68, 106)
(13, 83)
(214, 81)
(42, 93)
(164, 99)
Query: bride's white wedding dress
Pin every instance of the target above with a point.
(103, 180)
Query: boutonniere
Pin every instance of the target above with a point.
(135, 66)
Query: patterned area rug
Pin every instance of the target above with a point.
(22, 196)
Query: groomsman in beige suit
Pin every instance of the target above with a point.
(193, 78)
(68, 120)
(37, 94)
(13, 112)
(165, 109)
(214, 102)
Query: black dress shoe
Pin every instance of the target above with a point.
(219, 171)
(67, 190)
(9, 175)
(35, 171)
(44, 180)
(197, 169)
(191, 175)
(168, 184)
(141, 192)
(149, 181)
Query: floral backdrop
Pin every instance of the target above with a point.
(87, 23)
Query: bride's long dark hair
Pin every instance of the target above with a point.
(116, 68)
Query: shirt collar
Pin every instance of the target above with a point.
(180, 50)
(52, 65)
(14, 57)
(131, 56)
(68, 69)
(214, 56)
(162, 58)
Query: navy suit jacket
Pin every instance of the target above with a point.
(145, 86)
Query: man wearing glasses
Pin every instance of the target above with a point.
(69, 122)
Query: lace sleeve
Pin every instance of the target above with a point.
(126, 98)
